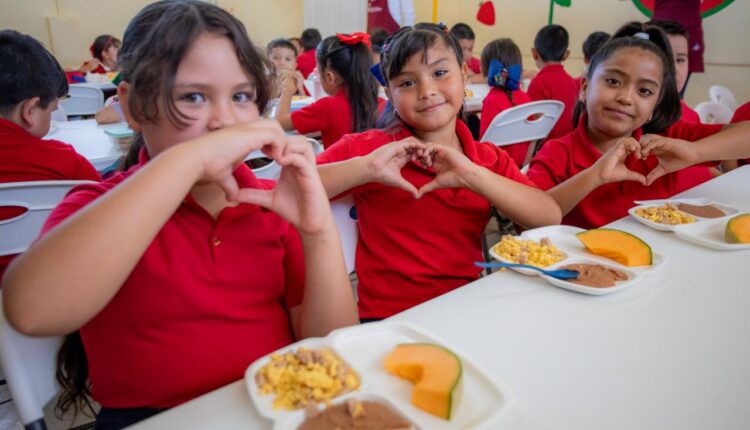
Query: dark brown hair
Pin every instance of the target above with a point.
(102, 43)
(504, 50)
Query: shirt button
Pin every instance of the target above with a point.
(217, 241)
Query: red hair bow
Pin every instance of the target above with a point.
(355, 38)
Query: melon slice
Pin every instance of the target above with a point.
(435, 372)
(617, 245)
(738, 229)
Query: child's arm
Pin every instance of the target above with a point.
(523, 204)
(299, 197)
(72, 272)
(610, 167)
(284, 108)
(733, 141)
(382, 165)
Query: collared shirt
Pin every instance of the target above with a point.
(688, 114)
(207, 298)
(306, 62)
(554, 83)
(331, 116)
(24, 157)
(495, 102)
(412, 250)
(561, 159)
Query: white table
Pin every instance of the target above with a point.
(671, 353)
(104, 86)
(88, 139)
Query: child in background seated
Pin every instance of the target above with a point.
(465, 36)
(502, 64)
(678, 41)
(306, 61)
(283, 55)
(422, 185)
(31, 82)
(378, 37)
(597, 171)
(197, 261)
(553, 82)
(593, 42)
(344, 69)
(104, 50)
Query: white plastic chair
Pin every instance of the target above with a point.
(29, 363)
(59, 115)
(723, 96)
(478, 91)
(713, 113)
(84, 100)
(513, 125)
(348, 229)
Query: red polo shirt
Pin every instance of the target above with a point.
(688, 114)
(495, 102)
(306, 62)
(742, 114)
(207, 298)
(24, 157)
(474, 65)
(554, 83)
(410, 251)
(561, 159)
(331, 116)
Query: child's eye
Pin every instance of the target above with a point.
(440, 73)
(406, 84)
(193, 97)
(681, 60)
(244, 97)
(646, 91)
(612, 81)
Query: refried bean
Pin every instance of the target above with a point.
(707, 211)
(356, 415)
(595, 275)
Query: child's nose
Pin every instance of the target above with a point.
(222, 115)
(426, 89)
(625, 95)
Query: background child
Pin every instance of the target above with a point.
(553, 82)
(593, 42)
(31, 82)
(466, 37)
(502, 64)
(413, 249)
(189, 266)
(344, 69)
(597, 171)
(378, 37)
(678, 41)
(283, 55)
(104, 50)
(306, 61)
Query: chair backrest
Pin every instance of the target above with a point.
(59, 114)
(29, 363)
(479, 91)
(348, 230)
(722, 95)
(39, 198)
(84, 100)
(713, 113)
(524, 123)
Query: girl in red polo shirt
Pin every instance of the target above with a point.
(344, 69)
(422, 186)
(104, 52)
(502, 64)
(186, 257)
(596, 172)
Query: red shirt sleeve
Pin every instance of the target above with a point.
(77, 198)
(547, 168)
(742, 113)
(315, 117)
(692, 132)
(506, 167)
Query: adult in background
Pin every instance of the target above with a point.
(687, 13)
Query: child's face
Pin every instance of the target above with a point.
(214, 97)
(429, 96)
(109, 56)
(467, 47)
(623, 92)
(283, 58)
(680, 52)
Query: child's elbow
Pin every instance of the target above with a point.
(553, 211)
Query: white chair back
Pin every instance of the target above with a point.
(28, 363)
(523, 123)
(59, 115)
(478, 91)
(315, 89)
(84, 100)
(713, 113)
(348, 229)
(722, 95)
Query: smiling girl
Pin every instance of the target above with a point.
(422, 186)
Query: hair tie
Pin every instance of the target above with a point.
(507, 77)
(642, 35)
(354, 38)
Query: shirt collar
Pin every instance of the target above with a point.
(10, 126)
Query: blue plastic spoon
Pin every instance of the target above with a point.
(559, 274)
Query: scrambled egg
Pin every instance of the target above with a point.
(530, 252)
(305, 377)
(666, 214)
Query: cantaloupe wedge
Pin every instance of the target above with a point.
(738, 229)
(617, 245)
(435, 372)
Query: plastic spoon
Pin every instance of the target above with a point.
(558, 274)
